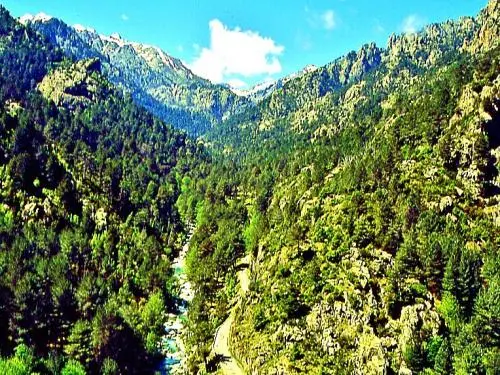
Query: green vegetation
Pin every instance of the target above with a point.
(156, 81)
(370, 209)
(88, 221)
(366, 195)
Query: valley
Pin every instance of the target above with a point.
(344, 219)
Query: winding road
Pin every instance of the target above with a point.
(228, 364)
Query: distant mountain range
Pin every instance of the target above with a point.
(266, 88)
(170, 90)
(159, 82)
(155, 80)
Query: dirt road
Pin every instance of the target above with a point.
(228, 364)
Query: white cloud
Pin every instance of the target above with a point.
(236, 52)
(412, 24)
(328, 19)
(124, 17)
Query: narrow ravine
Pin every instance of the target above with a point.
(172, 345)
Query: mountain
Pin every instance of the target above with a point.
(155, 80)
(319, 103)
(88, 219)
(362, 200)
(347, 218)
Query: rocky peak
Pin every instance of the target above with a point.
(116, 36)
(487, 35)
(368, 57)
(40, 17)
(426, 47)
(309, 68)
(82, 29)
(351, 67)
(492, 8)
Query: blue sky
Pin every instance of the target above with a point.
(246, 42)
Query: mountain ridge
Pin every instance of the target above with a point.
(157, 81)
(372, 192)
(329, 87)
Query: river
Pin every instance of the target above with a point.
(172, 345)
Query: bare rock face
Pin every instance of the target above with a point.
(425, 48)
(487, 35)
(74, 85)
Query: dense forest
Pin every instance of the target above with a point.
(364, 195)
(88, 217)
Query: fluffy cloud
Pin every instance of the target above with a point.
(236, 52)
(124, 17)
(412, 24)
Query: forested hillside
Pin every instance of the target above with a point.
(88, 222)
(364, 196)
(367, 194)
